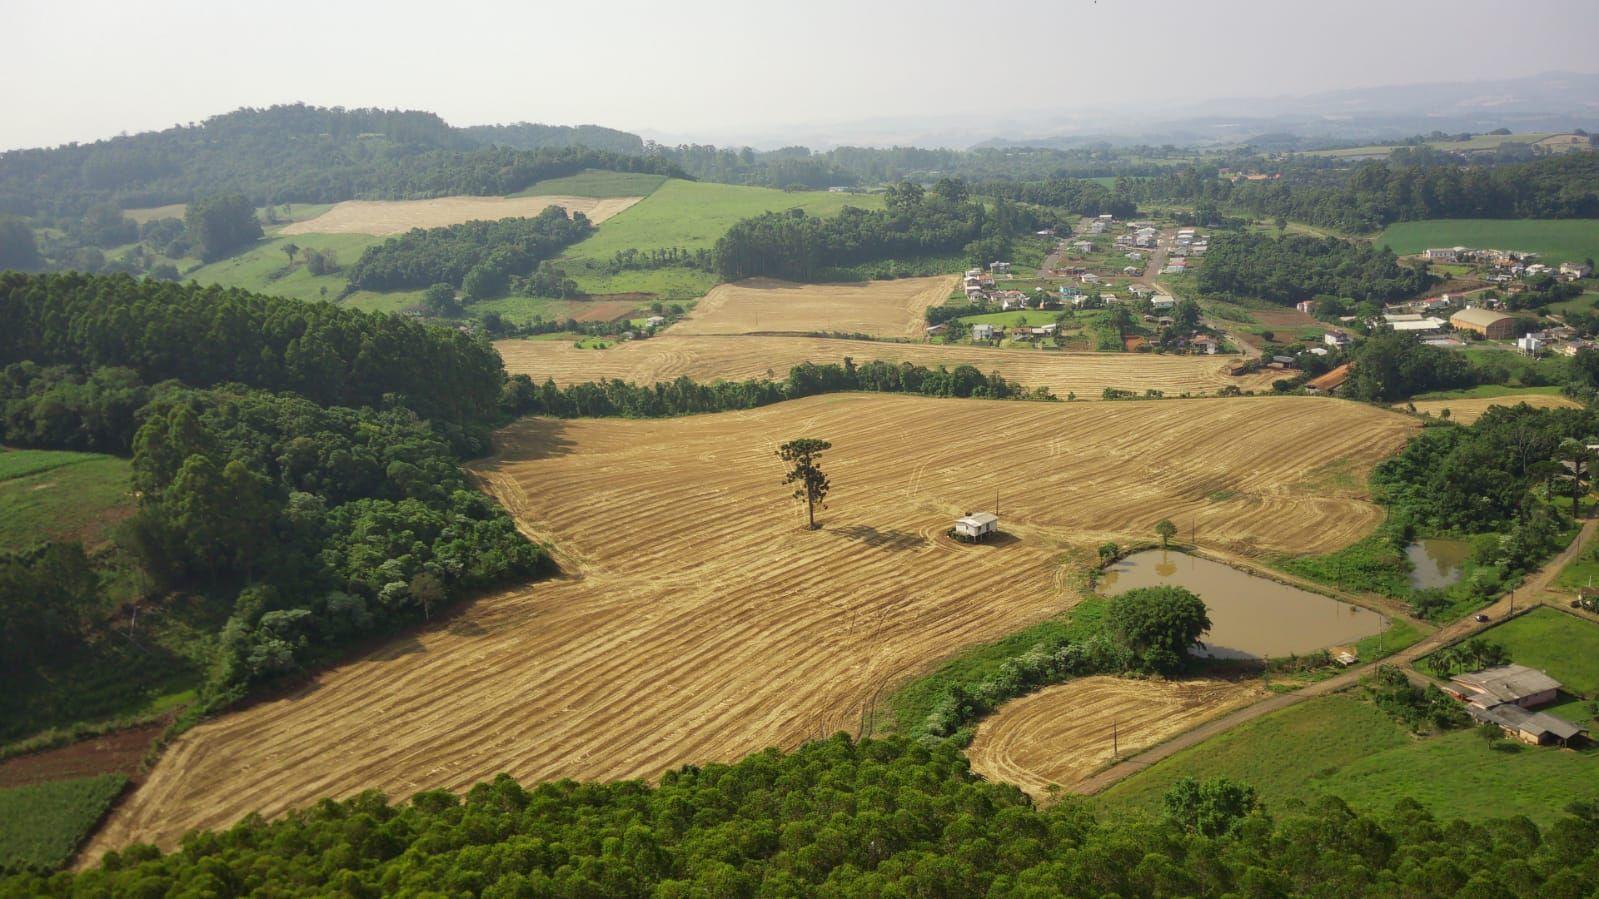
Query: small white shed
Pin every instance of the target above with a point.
(976, 525)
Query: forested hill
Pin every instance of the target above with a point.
(531, 136)
(203, 336)
(302, 154)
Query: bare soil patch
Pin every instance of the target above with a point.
(386, 217)
(766, 306)
(1062, 734)
(119, 751)
(738, 358)
(700, 622)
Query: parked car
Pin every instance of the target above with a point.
(1479, 617)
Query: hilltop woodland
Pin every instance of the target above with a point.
(837, 818)
(914, 222)
(482, 257)
(1376, 194)
(296, 473)
(1289, 268)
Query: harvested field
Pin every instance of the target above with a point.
(765, 306)
(385, 217)
(737, 358)
(1469, 409)
(698, 621)
(1062, 734)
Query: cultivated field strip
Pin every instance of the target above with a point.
(766, 306)
(737, 358)
(1469, 410)
(385, 217)
(699, 622)
(1062, 734)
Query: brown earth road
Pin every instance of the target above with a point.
(1445, 636)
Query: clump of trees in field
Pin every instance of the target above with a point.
(842, 818)
(1289, 268)
(684, 396)
(1389, 366)
(480, 257)
(217, 226)
(283, 463)
(915, 222)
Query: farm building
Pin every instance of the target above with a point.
(1535, 728)
(1514, 684)
(1330, 381)
(976, 526)
(1490, 324)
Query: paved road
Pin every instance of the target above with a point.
(1453, 633)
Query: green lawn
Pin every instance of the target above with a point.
(1555, 240)
(41, 825)
(1340, 745)
(1564, 646)
(51, 495)
(596, 183)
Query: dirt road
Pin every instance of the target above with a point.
(1460, 630)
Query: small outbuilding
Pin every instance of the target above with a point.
(976, 526)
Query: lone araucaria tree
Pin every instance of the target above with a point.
(802, 456)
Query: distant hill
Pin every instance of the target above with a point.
(296, 153)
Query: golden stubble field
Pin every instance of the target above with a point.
(698, 621)
(1062, 734)
(386, 217)
(1469, 410)
(766, 306)
(737, 358)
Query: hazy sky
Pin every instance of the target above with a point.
(84, 69)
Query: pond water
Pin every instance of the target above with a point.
(1437, 561)
(1251, 617)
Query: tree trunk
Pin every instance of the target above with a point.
(810, 510)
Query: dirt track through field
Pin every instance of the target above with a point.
(699, 622)
(737, 358)
(1062, 734)
(1469, 410)
(385, 217)
(765, 306)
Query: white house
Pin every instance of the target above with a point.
(1305, 306)
(655, 321)
(1529, 344)
(1335, 339)
(1161, 301)
(1575, 270)
(982, 331)
(999, 268)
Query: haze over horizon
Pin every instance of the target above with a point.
(721, 71)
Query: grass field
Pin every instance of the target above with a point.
(698, 620)
(1028, 317)
(596, 183)
(1554, 240)
(1583, 302)
(264, 268)
(663, 358)
(762, 305)
(1564, 646)
(1473, 144)
(390, 217)
(47, 495)
(41, 825)
(1342, 746)
(1062, 734)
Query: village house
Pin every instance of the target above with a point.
(1141, 290)
(1306, 306)
(1335, 339)
(982, 331)
(1068, 292)
(1206, 344)
(1534, 728)
(1530, 344)
(1083, 246)
(937, 330)
(976, 526)
(1571, 271)
(999, 268)
(1490, 324)
(1575, 347)
(1517, 684)
(1162, 301)
(1446, 254)
(1088, 278)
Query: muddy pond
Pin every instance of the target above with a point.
(1437, 561)
(1250, 616)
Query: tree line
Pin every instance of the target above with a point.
(1295, 267)
(480, 256)
(836, 817)
(684, 396)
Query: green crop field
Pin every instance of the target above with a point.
(1342, 746)
(41, 825)
(1554, 240)
(1564, 646)
(46, 494)
(596, 183)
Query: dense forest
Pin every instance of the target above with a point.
(284, 464)
(1376, 194)
(1075, 195)
(531, 136)
(1297, 267)
(282, 154)
(482, 255)
(915, 222)
(204, 336)
(841, 818)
